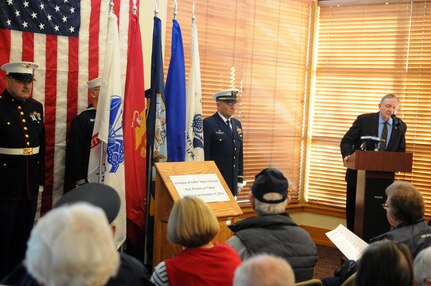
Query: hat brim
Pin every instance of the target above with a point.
(22, 76)
(99, 195)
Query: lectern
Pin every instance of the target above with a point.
(375, 174)
(166, 195)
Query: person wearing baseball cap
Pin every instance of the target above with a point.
(223, 139)
(22, 161)
(272, 230)
(130, 272)
(79, 140)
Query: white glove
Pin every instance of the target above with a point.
(241, 185)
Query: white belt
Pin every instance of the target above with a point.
(19, 151)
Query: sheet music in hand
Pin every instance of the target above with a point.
(347, 242)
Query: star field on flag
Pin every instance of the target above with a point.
(55, 17)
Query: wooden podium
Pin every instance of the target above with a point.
(375, 174)
(166, 195)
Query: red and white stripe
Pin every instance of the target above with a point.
(65, 66)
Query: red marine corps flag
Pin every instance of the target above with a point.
(135, 134)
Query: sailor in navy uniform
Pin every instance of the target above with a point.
(22, 162)
(223, 137)
(79, 140)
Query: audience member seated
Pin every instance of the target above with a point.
(193, 225)
(72, 245)
(131, 271)
(422, 267)
(405, 210)
(385, 263)
(264, 270)
(272, 231)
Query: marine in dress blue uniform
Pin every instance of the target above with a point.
(79, 140)
(223, 143)
(22, 162)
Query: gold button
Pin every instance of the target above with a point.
(234, 157)
(234, 165)
(23, 120)
(25, 128)
(233, 140)
(219, 140)
(8, 123)
(22, 113)
(26, 136)
(4, 164)
(19, 107)
(28, 143)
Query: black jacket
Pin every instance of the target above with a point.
(416, 236)
(368, 125)
(21, 126)
(78, 149)
(279, 235)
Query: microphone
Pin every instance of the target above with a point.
(395, 119)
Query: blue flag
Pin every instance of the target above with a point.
(156, 119)
(176, 98)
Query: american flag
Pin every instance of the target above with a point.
(66, 38)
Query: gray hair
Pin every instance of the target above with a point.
(405, 202)
(72, 245)
(262, 270)
(388, 96)
(262, 208)
(422, 266)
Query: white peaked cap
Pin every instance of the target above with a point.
(226, 95)
(95, 82)
(19, 67)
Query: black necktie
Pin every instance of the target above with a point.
(384, 137)
(228, 125)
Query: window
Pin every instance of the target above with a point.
(261, 48)
(365, 52)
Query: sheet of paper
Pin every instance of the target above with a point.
(347, 242)
(206, 186)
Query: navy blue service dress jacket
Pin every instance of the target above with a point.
(78, 149)
(225, 147)
(21, 128)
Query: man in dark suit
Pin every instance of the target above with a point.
(223, 139)
(384, 125)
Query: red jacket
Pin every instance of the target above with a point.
(203, 266)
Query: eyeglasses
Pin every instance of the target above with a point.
(385, 206)
(231, 103)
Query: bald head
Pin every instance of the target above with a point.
(264, 270)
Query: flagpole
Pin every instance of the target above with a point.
(111, 5)
(156, 8)
(175, 9)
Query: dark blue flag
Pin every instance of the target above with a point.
(55, 17)
(176, 98)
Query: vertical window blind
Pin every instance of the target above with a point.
(261, 48)
(363, 53)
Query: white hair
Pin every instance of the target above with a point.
(422, 266)
(72, 245)
(264, 270)
(262, 208)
